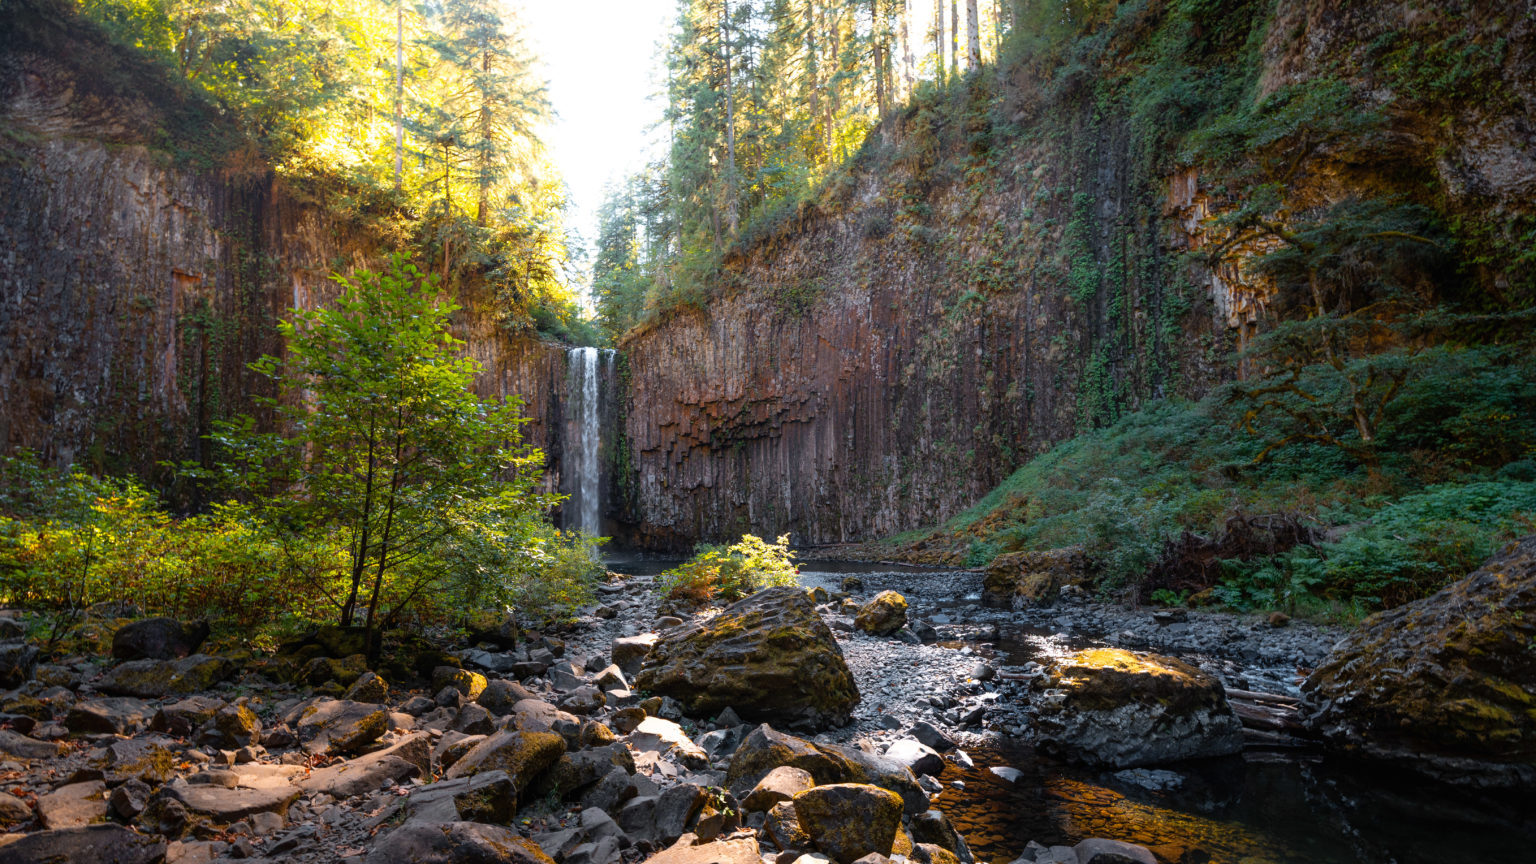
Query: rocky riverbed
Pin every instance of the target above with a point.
(1042, 734)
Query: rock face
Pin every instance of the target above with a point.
(1021, 579)
(1445, 685)
(883, 615)
(1107, 707)
(769, 656)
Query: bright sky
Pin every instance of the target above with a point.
(600, 58)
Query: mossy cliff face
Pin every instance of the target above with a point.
(770, 657)
(1445, 685)
(144, 264)
(989, 280)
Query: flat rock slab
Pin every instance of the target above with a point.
(73, 806)
(96, 844)
(21, 747)
(456, 843)
(114, 715)
(255, 775)
(364, 774)
(736, 851)
(224, 806)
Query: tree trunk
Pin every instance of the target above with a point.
(973, 31)
(908, 74)
(812, 68)
(877, 36)
(484, 180)
(954, 38)
(731, 214)
(399, 91)
(997, 29)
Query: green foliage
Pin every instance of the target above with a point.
(382, 440)
(729, 573)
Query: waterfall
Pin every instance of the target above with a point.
(583, 437)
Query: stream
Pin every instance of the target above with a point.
(1276, 803)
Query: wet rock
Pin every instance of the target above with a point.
(96, 844)
(523, 755)
(158, 639)
(770, 657)
(1108, 707)
(73, 806)
(456, 843)
(182, 718)
(1097, 850)
(737, 850)
(849, 820)
(883, 615)
(230, 728)
(933, 827)
(368, 687)
(933, 737)
(21, 747)
(781, 784)
(109, 716)
(156, 679)
(915, 756)
(18, 662)
(1023, 579)
(1442, 685)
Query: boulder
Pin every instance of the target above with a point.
(781, 784)
(368, 687)
(157, 679)
(363, 774)
(1446, 685)
(230, 728)
(158, 639)
(117, 715)
(18, 662)
(664, 736)
(1111, 708)
(500, 696)
(628, 652)
(221, 806)
(1098, 850)
(19, 746)
(471, 684)
(915, 757)
(782, 825)
(321, 671)
(849, 820)
(146, 757)
(487, 797)
(1023, 579)
(97, 844)
(13, 811)
(769, 656)
(339, 726)
(523, 755)
(766, 749)
(883, 615)
(183, 718)
(579, 770)
(74, 805)
(933, 827)
(456, 843)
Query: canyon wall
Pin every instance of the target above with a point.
(138, 278)
(887, 357)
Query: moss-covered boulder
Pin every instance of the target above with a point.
(336, 726)
(1445, 685)
(331, 670)
(883, 615)
(769, 656)
(471, 684)
(230, 728)
(1023, 579)
(849, 820)
(523, 755)
(766, 749)
(1107, 707)
(156, 679)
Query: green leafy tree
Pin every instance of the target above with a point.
(381, 437)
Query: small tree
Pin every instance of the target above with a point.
(383, 440)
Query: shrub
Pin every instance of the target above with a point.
(731, 572)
